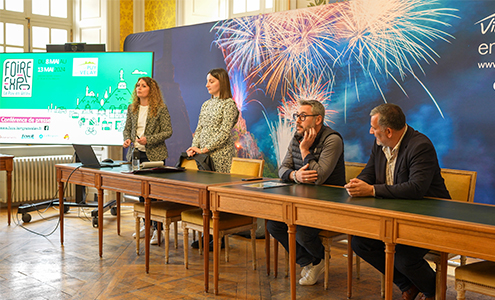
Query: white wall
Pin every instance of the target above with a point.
(191, 12)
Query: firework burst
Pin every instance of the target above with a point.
(279, 48)
(384, 36)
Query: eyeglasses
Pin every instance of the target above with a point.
(302, 116)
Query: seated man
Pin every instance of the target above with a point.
(315, 156)
(403, 165)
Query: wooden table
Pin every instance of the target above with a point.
(7, 164)
(443, 225)
(187, 187)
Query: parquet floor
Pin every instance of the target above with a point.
(38, 267)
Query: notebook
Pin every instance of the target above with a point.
(87, 156)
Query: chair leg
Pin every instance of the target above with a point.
(267, 250)
(220, 246)
(159, 232)
(287, 265)
(382, 285)
(326, 245)
(186, 245)
(176, 235)
(275, 258)
(463, 260)
(358, 266)
(226, 238)
(441, 276)
(200, 244)
(167, 239)
(350, 257)
(461, 291)
(137, 235)
(253, 242)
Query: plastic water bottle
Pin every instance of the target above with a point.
(135, 160)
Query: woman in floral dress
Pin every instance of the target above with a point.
(218, 116)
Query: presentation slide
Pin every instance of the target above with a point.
(69, 97)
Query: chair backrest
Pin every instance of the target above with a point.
(352, 170)
(460, 184)
(189, 164)
(247, 166)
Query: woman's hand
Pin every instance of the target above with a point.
(127, 143)
(142, 140)
(191, 151)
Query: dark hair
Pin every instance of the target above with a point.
(316, 107)
(223, 77)
(155, 97)
(391, 116)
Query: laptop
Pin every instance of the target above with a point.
(87, 156)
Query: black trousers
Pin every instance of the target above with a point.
(410, 268)
(308, 245)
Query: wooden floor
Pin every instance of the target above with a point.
(38, 267)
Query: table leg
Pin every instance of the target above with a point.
(350, 256)
(118, 212)
(9, 195)
(100, 220)
(267, 250)
(443, 278)
(292, 260)
(389, 269)
(61, 210)
(216, 250)
(206, 243)
(147, 224)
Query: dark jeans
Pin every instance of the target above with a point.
(409, 265)
(309, 248)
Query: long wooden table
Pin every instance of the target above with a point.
(443, 225)
(7, 164)
(187, 187)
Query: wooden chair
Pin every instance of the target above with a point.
(477, 277)
(461, 186)
(228, 223)
(327, 237)
(164, 213)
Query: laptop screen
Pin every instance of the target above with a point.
(86, 155)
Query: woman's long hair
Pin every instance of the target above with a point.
(155, 97)
(223, 77)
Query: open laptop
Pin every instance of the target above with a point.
(87, 156)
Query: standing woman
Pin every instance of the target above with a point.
(147, 126)
(218, 116)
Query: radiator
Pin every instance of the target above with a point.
(34, 178)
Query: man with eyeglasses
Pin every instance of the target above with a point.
(315, 156)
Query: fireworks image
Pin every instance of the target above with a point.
(433, 58)
(331, 53)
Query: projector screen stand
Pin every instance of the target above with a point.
(110, 205)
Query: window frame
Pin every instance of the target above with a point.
(28, 20)
(262, 9)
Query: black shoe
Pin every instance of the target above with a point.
(222, 246)
(195, 244)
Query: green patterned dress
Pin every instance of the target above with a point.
(214, 131)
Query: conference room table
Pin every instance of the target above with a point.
(443, 225)
(7, 164)
(186, 187)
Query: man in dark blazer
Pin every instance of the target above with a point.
(403, 165)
